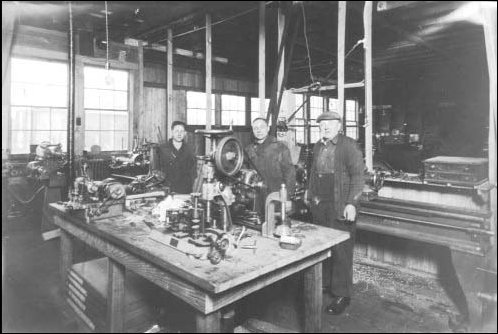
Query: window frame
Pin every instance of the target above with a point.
(129, 110)
(8, 105)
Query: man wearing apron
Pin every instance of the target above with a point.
(336, 183)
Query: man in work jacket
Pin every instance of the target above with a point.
(336, 183)
(272, 160)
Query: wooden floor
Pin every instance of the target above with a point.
(384, 301)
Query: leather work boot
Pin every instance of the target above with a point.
(338, 305)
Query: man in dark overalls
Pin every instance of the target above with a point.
(177, 160)
(336, 183)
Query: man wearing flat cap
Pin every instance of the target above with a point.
(336, 183)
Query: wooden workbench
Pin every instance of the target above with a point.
(207, 288)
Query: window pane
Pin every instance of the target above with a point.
(300, 135)
(196, 108)
(198, 100)
(120, 100)
(106, 101)
(315, 134)
(316, 102)
(92, 120)
(21, 118)
(107, 140)
(37, 137)
(352, 132)
(233, 109)
(106, 120)
(20, 142)
(59, 119)
(91, 138)
(121, 121)
(299, 98)
(333, 104)
(41, 118)
(255, 104)
(195, 117)
(120, 140)
(96, 77)
(59, 137)
(39, 72)
(350, 105)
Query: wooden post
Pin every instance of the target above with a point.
(140, 91)
(262, 58)
(169, 85)
(66, 259)
(71, 100)
(209, 80)
(116, 297)
(341, 39)
(208, 323)
(489, 23)
(313, 298)
(367, 45)
(281, 25)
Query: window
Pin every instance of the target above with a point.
(38, 104)
(106, 108)
(316, 108)
(255, 108)
(196, 108)
(233, 110)
(351, 116)
(352, 119)
(299, 118)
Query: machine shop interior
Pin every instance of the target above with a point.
(164, 166)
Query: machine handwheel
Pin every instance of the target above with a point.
(229, 156)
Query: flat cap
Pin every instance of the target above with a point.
(328, 115)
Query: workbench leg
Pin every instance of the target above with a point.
(471, 281)
(208, 323)
(116, 297)
(313, 298)
(66, 257)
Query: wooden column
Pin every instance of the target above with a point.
(262, 58)
(341, 39)
(169, 85)
(489, 23)
(313, 298)
(139, 84)
(208, 323)
(209, 80)
(116, 297)
(367, 45)
(281, 25)
(66, 259)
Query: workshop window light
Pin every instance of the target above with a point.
(196, 108)
(255, 108)
(38, 104)
(106, 108)
(233, 110)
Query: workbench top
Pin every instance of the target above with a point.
(239, 266)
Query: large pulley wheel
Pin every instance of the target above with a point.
(229, 156)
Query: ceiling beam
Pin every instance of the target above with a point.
(383, 6)
(182, 20)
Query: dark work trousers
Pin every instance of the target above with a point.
(337, 270)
